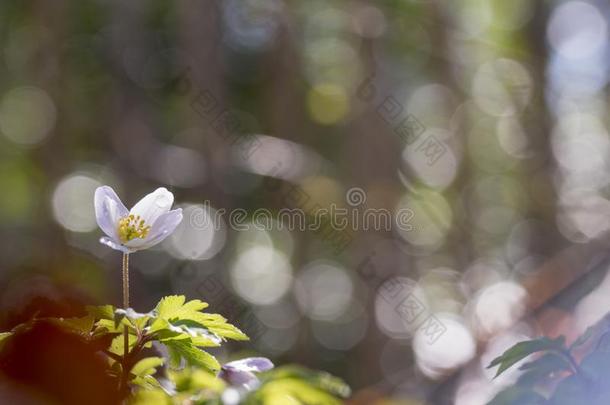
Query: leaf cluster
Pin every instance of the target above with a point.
(555, 376)
(182, 369)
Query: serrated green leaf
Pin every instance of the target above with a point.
(101, 311)
(174, 307)
(167, 335)
(192, 355)
(176, 361)
(194, 306)
(81, 325)
(204, 341)
(158, 324)
(170, 307)
(167, 306)
(135, 319)
(146, 381)
(206, 330)
(318, 379)
(195, 379)
(197, 336)
(228, 331)
(216, 324)
(150, 397)
(108, 326)
(101, 340)
(294, 391)
(117, 345)
(147, 366)
(165, 331)
(523, 349)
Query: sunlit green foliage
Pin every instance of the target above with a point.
(284, 385)
(186, 372)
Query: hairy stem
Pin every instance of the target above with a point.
(125, 373)
(126, 299)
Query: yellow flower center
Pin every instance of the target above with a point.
(131, 227)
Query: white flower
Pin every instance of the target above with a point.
(146, 224)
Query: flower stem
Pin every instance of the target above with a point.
(126, 300)
(124, 374)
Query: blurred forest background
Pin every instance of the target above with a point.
(487, 120)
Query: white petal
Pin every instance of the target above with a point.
(153, 205)
(108, 210)
(115, 245)
(163, 227)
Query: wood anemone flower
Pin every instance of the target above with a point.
(146, 224)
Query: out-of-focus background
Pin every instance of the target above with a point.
(479, 126)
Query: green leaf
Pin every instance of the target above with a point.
(158, 324)
(174, 307)
(101, 311)
(197, 335)
(164, 331)
(228, 331)
(136, 319)
(523, 349)
(151, 397)
(109, 326)
(117, 345)
(168, 334)
(204, 341)
(218, 325)
(193, 306)
(101, 340)
(192, 355)
(168, 306)
(207, 330)
(318, 380)
(195, 379)
(147, 366)
(81, 325)
(146, 381)
(3, 336)
(294, 391)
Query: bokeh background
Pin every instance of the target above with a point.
(486, 119)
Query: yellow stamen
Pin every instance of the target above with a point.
(131, 227)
